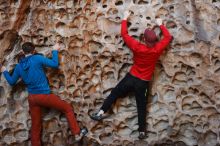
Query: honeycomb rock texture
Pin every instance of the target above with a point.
(184, 102)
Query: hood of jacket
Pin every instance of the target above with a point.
(25, 62)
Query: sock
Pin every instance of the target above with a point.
(100, 112)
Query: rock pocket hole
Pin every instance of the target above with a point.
(171, 24)
(104, 6)
(60, 24)
(107, 137)
(171, 8)
(134, 29)
(108, 38)
(118, 3)
(188, 22)
(148, 18)
(142, 2)
(218, 22)
(217, 70)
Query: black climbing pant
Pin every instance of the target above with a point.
(131, 84)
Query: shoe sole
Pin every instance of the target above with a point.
(103, 117)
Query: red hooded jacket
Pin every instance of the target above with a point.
(144, 58)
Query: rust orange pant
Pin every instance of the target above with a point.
(36, 102)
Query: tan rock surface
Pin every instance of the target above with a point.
(185, 96)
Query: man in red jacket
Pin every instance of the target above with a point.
(145, 57)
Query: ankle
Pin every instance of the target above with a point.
(101, 112)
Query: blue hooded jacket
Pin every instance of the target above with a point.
(31, 70)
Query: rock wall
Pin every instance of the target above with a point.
(184, 101)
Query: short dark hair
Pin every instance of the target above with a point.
(28, 47)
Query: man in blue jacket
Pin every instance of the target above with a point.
(31, 70)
